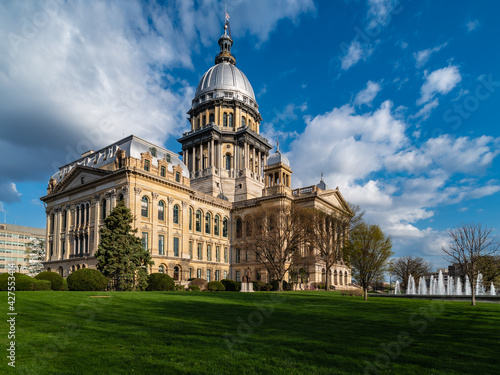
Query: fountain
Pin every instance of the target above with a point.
(450, 286)
(458, 289)
(468, 291)
(422, 288)
(397, 288)
(432, 286)
(479, 285)
(492, 290)
(440, 284)
(411, 286)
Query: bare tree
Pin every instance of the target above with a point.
(367, 252)
(469, 244)
(408, 265)
(280, 232)
(328, 233)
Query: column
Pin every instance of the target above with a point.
(96, 221)
(253, 160)
(247, 164)
(211, 163)
(56, 239)
(169, 241)
(47, 234)
(154, 228)
(200, 166)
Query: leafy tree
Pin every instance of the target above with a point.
(471, 246)
(489, 266)
(120, 255)
(35, 255)
(328, 233)
(408, 265)
(367, 253)
(278, 235)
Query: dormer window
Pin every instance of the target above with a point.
(168, 158)
(146, 165)
(152, 150)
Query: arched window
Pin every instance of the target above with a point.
(198, 221)
(82, 214)
(208, 222)
(77, 215)
(243, 122)
(323, 275)
(204, 120)
(224, 120)
(228, 161)
(224, 227)
(64, 216)
(340, 277)
(103, 209)
(216, 225)
(176, 273)
(88, 213)
(144, 207)
(120, 198)
(248, 226)
(211, 118)
(190, 218)
(239, 228)
(176, 214)
(161, 210)
(230, 120)
(161, 268)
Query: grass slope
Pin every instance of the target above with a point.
(240, 333)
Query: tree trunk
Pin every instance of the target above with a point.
(365, 293)
(327, 280)
(473, 294)
(280, 285)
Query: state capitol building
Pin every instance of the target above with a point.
(192, 214)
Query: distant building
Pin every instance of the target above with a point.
(13, 240)
(193, 214)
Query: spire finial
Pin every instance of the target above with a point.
(278, 146)
(321, 175)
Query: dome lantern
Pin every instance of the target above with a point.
(225, 43)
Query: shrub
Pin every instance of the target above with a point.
(160, 282)
(56, 280)
(200, 283)
(194, 288)
(352, 292)
(230, 285)
(216, 286)
(87, 279)
(64, 285)
(266, 287)
(41, 285)
(179, 288)
(257, 285)
(318, 285)
(23, 282)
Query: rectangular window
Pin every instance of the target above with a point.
(163, 171)
(190, 249)
(238, 276)
(199, 250)
(51, 249)
(177, 177)
(198, 273)
(209, 252)
(225, 254)
(145, 243)
(146, 165)
(176, 246)
(217, 253)
(217, 275)
(225, 274)
(237, 256)
(208, 275)
(161, 244)
(190, 273)
(63, 248)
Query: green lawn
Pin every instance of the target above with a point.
(239, 333)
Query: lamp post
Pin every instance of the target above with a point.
(19, 266)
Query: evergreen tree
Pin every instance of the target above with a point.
(120, 255)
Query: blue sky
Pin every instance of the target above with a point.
(395, 101)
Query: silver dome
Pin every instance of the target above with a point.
(225, 77)
(278, 157)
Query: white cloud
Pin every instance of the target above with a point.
(440, 81)
(367, 95)
(379, 12)
(9, 193)
(426, 110)
(421, 57)
(355, 52)
(471, 25)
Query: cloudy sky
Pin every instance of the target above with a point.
(395, 101)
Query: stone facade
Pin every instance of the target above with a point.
(185, 211)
